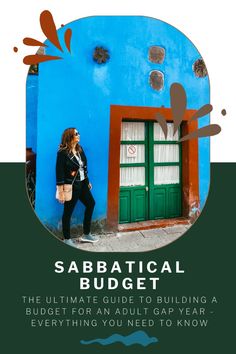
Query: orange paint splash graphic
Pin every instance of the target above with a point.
(209, 130)
(162, 121)
(15, 49)
(36, 59)
(49, 29)
(33, 42)
(178, 101)
(178, 96)
(68, 35)
(201, 112)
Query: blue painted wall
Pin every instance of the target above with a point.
(78, 92)
(31, 111)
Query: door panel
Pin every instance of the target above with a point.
(158, 209)
(158, 134)
(166, 175)
(132, 176)
(133, 131)
(137, 158)
(166, 153)
(139, 204)
(125, 201)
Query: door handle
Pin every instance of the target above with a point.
(146, 188)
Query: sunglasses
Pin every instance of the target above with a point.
(76, 134)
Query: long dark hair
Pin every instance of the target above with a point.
(66, 140)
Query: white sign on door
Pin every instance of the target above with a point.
(131, 151)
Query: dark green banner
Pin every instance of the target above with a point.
(179, 298)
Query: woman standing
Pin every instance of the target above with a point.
(71, 168)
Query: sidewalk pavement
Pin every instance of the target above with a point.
(134, 241)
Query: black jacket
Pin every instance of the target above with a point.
(67, 166)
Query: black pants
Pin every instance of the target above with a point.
(80, 192)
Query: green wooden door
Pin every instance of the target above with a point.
(150, 169)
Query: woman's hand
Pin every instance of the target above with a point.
(90, 186)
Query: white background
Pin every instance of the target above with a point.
(209, 24)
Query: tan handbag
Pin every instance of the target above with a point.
(67, 190)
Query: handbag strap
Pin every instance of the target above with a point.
(77, 170)
(75, 177)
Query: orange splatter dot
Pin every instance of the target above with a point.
(15, 49)
(223, 112)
